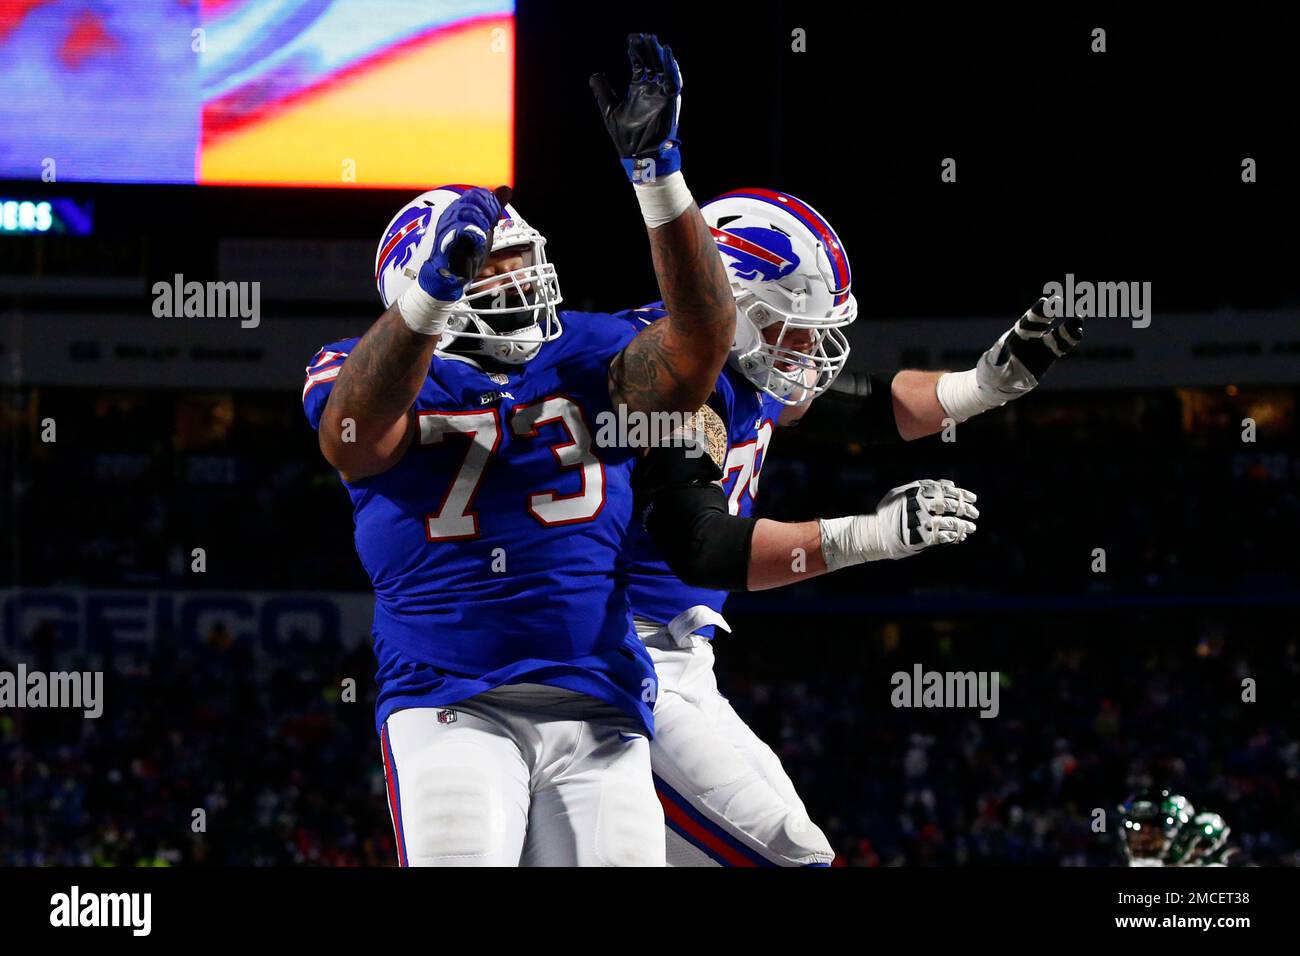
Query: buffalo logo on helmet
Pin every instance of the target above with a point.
(757, 253)
(403, 237)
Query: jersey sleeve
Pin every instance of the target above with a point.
(323, 369)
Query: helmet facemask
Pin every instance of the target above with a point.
(1152, 822)
(787, 366)
(510, 315)
(1201, 839)
(1145, 840)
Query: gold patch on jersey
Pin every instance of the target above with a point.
(708, 422)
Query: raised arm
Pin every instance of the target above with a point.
(368, 424)
(876, 409)
(673, 364)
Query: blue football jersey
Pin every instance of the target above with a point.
(492, 545)
(750, 416)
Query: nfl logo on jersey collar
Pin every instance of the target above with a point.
(492, 397)
(465, 379)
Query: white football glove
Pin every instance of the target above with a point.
(1015, 365)
(908, 520)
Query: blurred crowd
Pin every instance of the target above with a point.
(198, 761)
(1091, 708)
(195, 761)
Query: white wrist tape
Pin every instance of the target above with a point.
(663, 200)
(851, 540)
(961, 396)
(423, 313)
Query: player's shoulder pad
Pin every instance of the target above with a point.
(770, 407)
(723, 399)
(643, 315)
(323, 369)
(326, 363)
(333, 350)
(597, 336)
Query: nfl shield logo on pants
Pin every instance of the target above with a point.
(446, 716)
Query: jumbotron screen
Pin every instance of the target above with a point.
(257, 92)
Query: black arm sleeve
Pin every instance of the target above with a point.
(686, 516)
(857, 407)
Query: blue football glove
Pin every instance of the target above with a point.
(462, 242)
(644, 126)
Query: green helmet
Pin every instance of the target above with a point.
(1152, 819)
(1200, 842)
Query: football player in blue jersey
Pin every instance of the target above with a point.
(514, 696)
(726, 798)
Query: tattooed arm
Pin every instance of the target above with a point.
(673, 364)
(368, 425)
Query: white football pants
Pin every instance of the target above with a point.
(727, 800)
(509, 782)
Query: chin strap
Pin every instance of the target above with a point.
(509, 352)
(504, 352)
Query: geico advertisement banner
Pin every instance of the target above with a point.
(114, 621)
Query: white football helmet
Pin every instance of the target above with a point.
(509, 315)
(786, 265)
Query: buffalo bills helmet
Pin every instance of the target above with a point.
(505, 317)
(789, 273)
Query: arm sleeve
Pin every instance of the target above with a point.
(857, 408)
(686, 516)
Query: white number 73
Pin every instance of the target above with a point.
(455, 518)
